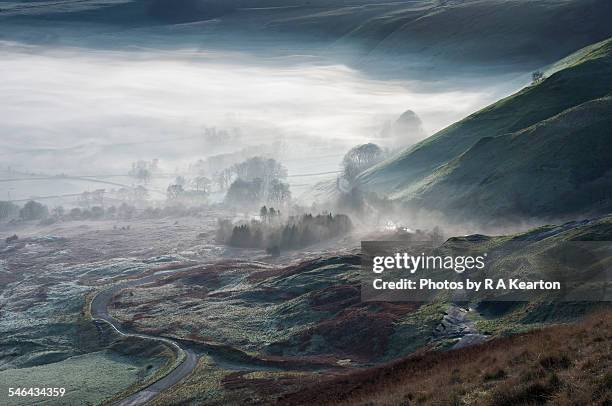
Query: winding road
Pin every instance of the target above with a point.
(99, 312)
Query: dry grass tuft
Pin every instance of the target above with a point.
(560, 365)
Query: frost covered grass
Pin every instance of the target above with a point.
(88, 379)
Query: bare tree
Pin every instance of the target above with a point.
(202, 183)
(278, 193)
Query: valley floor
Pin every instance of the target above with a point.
(288, 330)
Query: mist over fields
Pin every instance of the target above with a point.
(90, 86)
(189, 190)
(82, 111)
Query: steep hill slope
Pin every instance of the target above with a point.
(544, 151)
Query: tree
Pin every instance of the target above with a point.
(202, 184)
(265, 169)
(278, 192)
(143, 175)
(224, 178)
(111, 211)
(33, 211)
(75, 213)
(180, 180)
(537, 77)
(85, 199)
(8, 210)
(97, 197)
(245, 193)
(126, 211)
(263, 213)
(97, 212)
(360, 158)
(142, 170)
(58, 211)
(174, 191)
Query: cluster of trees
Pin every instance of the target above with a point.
(143, 170)
(212, 166)
(91, 199)
(250, 194)
(194, 191)
(265, 169)
(355, 161)
(256, 181)
(8, 210)
(33, 210)
(270, 215)
(273, 235)
(30, 211)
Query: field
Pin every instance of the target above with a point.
(88, 378)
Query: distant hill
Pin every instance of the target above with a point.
(545, 151)
(510, 34)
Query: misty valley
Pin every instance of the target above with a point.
(188, 191)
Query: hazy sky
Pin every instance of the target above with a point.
(79, 111)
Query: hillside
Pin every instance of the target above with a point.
(567, 364)
(542, 152)
(425, 34)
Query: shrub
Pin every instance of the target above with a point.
(495, 375)
(8, 210)
(33, 211)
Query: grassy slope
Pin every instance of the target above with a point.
(474, 30)
(564, 104)
(530, 31)
(548, 163)
(533, 33)
(568, 364)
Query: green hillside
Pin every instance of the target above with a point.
(426, 34)
(544, 151)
